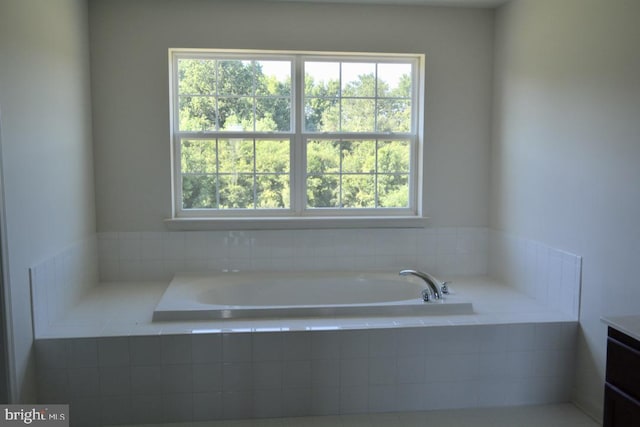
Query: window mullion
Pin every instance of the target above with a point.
(298, 152)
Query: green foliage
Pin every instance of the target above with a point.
(230, 173)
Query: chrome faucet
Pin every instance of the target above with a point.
(435, 287)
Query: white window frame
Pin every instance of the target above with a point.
(298, 216)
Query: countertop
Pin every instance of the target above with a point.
(629, 325)
(122, 309)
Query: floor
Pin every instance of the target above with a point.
(560, 415)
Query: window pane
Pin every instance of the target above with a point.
(235, 78)
(393, 156)
(358, 79)
(197, 113)
(323, 157)
(358, 191)
(394, 80)
(272, 156)
(358, 115)
(236, 114)
(394, 115)
(358, 156)
(323, 191)
(197, 76)
(273, 78)
(393, 191)
(233, 101)
(198, 192)
(322, 115)
(236, 191)
(272, 191)
(198, 156)
(322, 79)
(273, 114)
(235, 155)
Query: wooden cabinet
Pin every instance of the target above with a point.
(622, 388)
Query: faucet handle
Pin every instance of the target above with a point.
(426, 295)
(444, 287)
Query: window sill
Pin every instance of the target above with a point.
(293, 223)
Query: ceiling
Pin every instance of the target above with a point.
(452, 3)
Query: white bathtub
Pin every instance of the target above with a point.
(197, 296)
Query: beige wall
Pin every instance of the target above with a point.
(129, 42)
(566, 151)
(46, 149)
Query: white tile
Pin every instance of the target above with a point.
(521, 337)
(354, 399)
(411, 369)
(354, 344)
(382, 398)
(297, 373)
(151, 248)
(173, 246)
(115, 381)
(207, 377)
(410, 397)
(147, 408)
(268, 403)
(549, 336)
(521, 364)
(383, 370)
(383, 342)
(146, 379)
(236, 347)
(84, 382)
(325, 400)
(237, 376)
(267, 374)
(145, 350)
(452, 367)
(493, 366)
(116, 410)
(267, 346)
(51, 354)
(129, 247)
(53, 386)
(451, 340)
(177, 378)
(296, 345)
(108, 246)
(325, 345)
(113, 351)
(410, 341)
(296, 401)
(207, 406)
(354, 372)
(325, 372)
(177, 407)
(492, 338)
(450, 394)
(237, 404)
(206, 348)
(175, 349)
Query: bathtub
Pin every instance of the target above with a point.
(197, 296)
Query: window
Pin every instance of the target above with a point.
(264, 134)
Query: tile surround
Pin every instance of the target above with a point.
(549, 275)
(61, 280)
(266, 371)
(139, 256)
(458, 373)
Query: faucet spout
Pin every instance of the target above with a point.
(433, 284)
